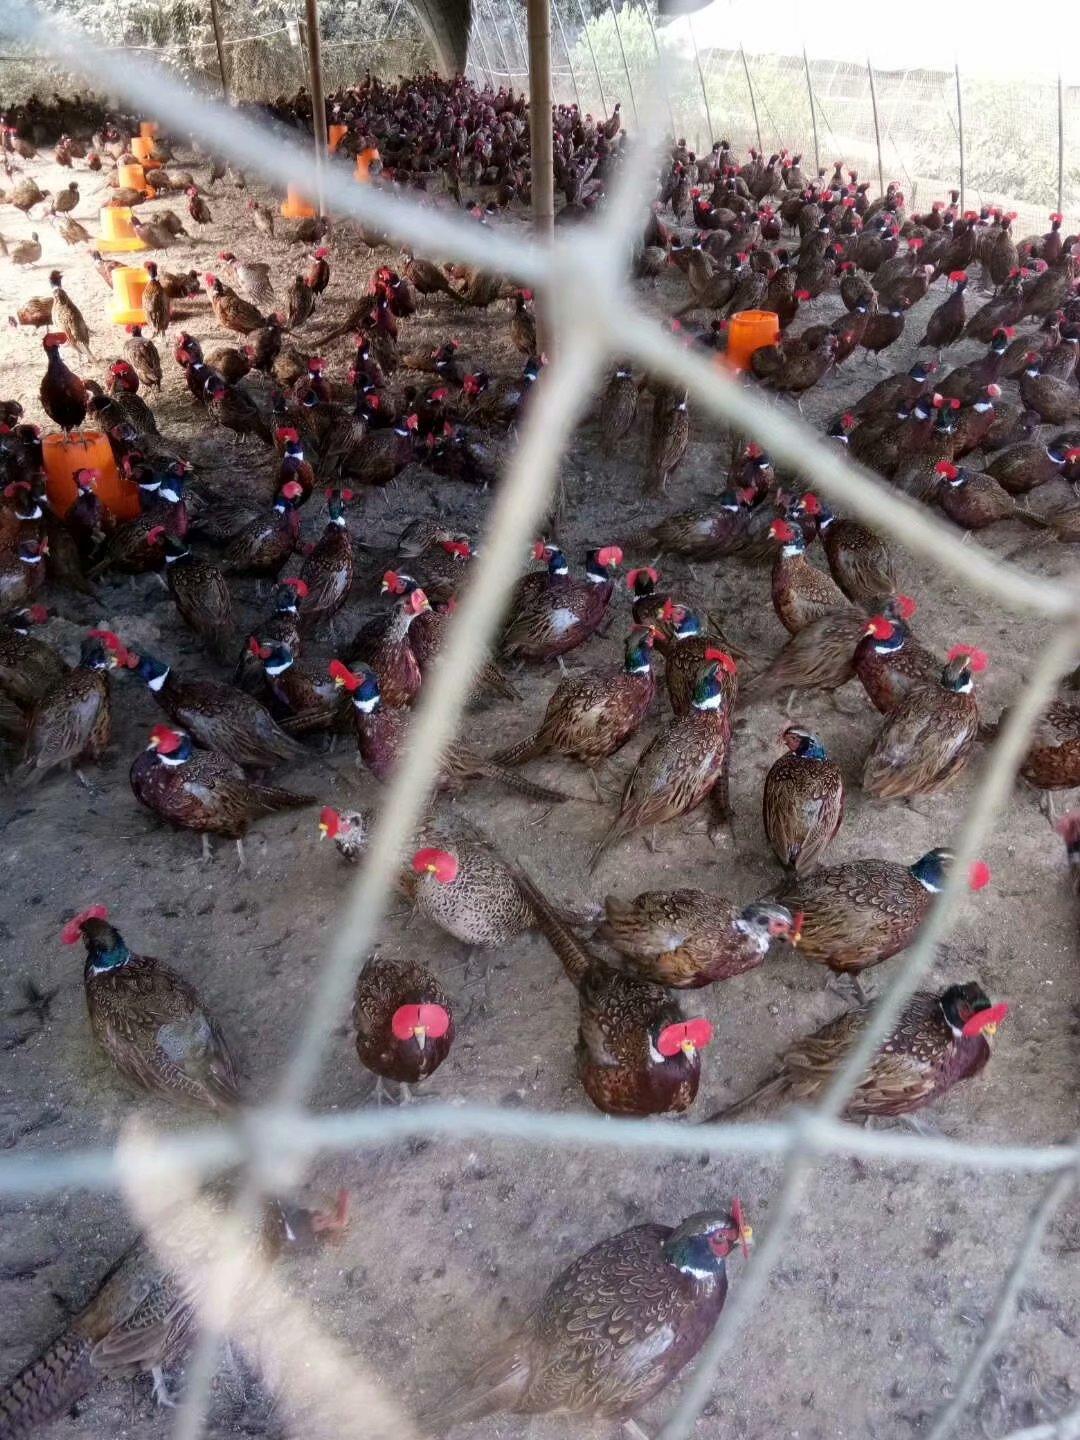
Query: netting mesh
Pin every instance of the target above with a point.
(772, 100)
(593, 316)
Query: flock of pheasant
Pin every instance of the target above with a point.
(284, 679)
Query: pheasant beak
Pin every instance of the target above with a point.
(420, 1035)
(795, 934)
(989, 1030)
(746, 1235)
(689, 1049)
(324, 829)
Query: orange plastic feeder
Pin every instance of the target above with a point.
(142, 147)
(749, 330)
(86, 450)
(335, 134)
(117, 232)
(129, 282)
(132, 177)
(295, 207)
(364, 162)
(148, 129)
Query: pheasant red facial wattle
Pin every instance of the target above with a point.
(72, 931)
(411, 1021)
(438, 863)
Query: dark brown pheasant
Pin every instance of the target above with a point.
(926, 740)
(862, 912)
(938, 1041)
(685, 938)
(73, 719)
(637, 1054)
(803, 801)
(591, 717)
(612, 1330)
(149, 1021)
(404, 1020)
(202, 790)
(680, 767)
(218, 716)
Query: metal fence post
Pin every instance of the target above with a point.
(1061, 145)
(622, 52)
(592, 55)
(486, 60)
(960, 132)
(565, 45)
(813, 112)
(753, 101)
(663, 68)
(877, 127)
(505, 53)
(511, 5)
(701, 77)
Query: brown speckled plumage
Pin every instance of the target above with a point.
(685, 938)
(619, 1020)
(925, 742)
(676, 771)
(802, 805)
(152, 1024)
(921, 1059)
(860, 912)
(610, 1332)
(384, 986)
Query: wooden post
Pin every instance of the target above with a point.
(813, 111)
(543, 176)
(318, 104)
(215, 20)
(1061, 146)
(960, 131)
(877, 127)
(625, 66)
(592, 53)
(701, 80)
(569, 58)
(753, 101)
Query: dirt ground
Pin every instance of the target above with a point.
(891, 1272)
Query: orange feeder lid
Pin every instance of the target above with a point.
(749, 330)
(64, 455)
(364, 162)
(335, 135)
(295, 207)
(132, 177)
(142, 147)
(117, 232)
(148, 129)
(129, 282)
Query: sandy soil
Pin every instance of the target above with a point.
(890, 1273)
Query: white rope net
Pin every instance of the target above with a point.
(593, 317)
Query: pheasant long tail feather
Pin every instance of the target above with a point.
(274, 798)
(574, 956)
(771, 1089)
(498, 1384)
(524, 750)
(47, 1388)
(492, 770)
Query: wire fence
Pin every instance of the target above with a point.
(1019, 132)
(593, 317)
